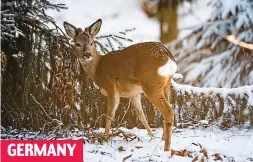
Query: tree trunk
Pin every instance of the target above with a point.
(167, 15)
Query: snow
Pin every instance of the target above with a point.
(192, 15)
(236, 144)
(200, 67)
(232, 7)
(117, 15)
(178, 76)
(240, 91)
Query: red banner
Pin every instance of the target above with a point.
(41, 150)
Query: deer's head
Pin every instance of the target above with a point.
(84, 45)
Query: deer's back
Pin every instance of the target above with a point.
(130, 63)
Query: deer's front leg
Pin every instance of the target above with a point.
(112, 105)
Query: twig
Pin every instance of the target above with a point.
(100, 117)
(129, 103)
(44, 111)
(127, 157)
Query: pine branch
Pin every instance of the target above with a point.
(111, 42)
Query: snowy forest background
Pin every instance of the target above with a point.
(45, 89)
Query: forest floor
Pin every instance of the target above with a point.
(210, 144)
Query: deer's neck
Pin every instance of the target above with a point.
(91, 67)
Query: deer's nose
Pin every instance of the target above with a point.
(87, 55)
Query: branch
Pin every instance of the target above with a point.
(232, 39)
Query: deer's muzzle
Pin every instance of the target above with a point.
(87, 55)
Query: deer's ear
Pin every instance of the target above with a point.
(95, 27)
(70, 29)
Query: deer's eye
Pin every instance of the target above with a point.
(78, 45)
(92, 43)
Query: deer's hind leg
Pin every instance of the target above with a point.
(136, 101)
(167, 90)
(156, 96)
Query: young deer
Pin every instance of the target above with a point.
(141, 68)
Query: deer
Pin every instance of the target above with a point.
(143, 68)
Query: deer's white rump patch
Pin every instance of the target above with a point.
(167, 69)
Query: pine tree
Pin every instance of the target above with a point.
(206, 58)
(24, 37)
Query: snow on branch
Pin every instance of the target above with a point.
(17, 15)
(229, 105)
(218, 52)
(240, 91)
(110, 42)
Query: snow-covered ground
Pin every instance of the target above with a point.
(231, 145)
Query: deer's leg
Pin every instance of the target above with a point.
(167, 91)
(157, 98)
(112, 105)
(136, 101)
(167, 96)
